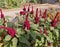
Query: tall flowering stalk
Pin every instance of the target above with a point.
(26, 23)
(29, 8)
(36, 20)
(2, 17)
(10, 31)
(40, 12)
(55, 21)
(24, 9)
(44, 14)
(32, 11)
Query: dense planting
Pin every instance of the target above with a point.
(31, 29)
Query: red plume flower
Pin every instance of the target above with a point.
(40, 12)
(2, 15)
(54, 22)
(24, 9)
(32, 11)
(44, 14)
(22, 12)
(29, 8)
(45, 31)
(26, 23)
(10, 31)
(36, 18)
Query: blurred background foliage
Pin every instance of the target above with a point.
(18, 3)
(14, 3)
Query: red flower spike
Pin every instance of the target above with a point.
(57, 15)
(36, 18)
(26, 23)
(22, 12)
(41, 31)
(45, 31)
(2, 15)
(29, 8)
(54, 22)
(10, 31)
(24, 9)
(44, 14)
(40, 12)
(32, 11)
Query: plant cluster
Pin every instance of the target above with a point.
(30, 29)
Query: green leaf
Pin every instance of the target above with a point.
(56, 32)
(7, 37)
(14, 41)
(48, 19)
(33, 34)
(1, 21)
(42, 19)
(51, 28)
(34, 26)
(1, 44)
(24, 40)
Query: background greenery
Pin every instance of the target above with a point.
(14, 3)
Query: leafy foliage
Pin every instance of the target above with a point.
(40, 34)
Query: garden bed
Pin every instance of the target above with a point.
(30, 26)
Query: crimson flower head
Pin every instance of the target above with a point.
(54, 22)
(44, 14)
(24, 9)
(36, 20)
(22, 12)
(32, 11)
(45, 31)
(10, 31)
(26, 23)
(29, 8)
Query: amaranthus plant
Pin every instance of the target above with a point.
(31, 29)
